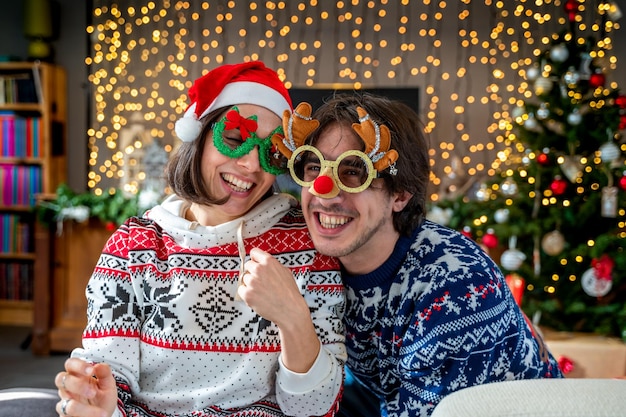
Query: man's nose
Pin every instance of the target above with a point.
(325, 185)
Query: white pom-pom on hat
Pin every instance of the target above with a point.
(188, 127)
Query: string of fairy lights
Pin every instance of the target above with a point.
(469, 67)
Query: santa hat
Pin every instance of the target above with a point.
(245, 83)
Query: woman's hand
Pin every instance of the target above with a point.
(269, 288)
(86, 390)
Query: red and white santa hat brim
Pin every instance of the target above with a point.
(227, 85)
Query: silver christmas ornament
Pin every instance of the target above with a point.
(585, 62)
(609, 152)
(571, 77)
(543, 112)
(574, 118)
(483, 193)
(518, 111)
(509, 187)
(512, 258)
(501, 216)
(532, 73)
(594, 286)
(531, 122)
(559, 53)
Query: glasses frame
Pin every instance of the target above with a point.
(265, 146)
(334, 165)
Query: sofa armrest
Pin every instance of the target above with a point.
(28, 402)
(538, 398)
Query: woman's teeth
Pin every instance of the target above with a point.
(236, 183)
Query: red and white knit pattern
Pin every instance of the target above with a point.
(164, 316)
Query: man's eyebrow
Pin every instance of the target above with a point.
(311, 157)
(353, 161)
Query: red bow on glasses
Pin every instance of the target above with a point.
(236, 121)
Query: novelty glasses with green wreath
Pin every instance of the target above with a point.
(235, 136)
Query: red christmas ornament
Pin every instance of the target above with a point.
(490, 240)
(467, 232)
(543, 159)
(620, 101)
(323, 184)
(571, 8)
(622, 121)
(597, 80)
(603, 267)
(622, 183)
(566, 365)
(558, 186)
(517, 284)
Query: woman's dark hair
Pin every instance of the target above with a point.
(184, 168)
(407, 138)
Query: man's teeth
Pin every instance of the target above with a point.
(330, 222)
(236, 183)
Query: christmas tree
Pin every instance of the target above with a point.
(555, 216)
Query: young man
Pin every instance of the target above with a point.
(427, 311)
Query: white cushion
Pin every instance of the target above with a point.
(538, 398)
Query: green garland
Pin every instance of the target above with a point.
(112, 208)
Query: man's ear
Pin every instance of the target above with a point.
(401, 200)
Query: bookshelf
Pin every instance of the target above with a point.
(33, 115)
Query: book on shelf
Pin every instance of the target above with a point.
(20, 136)
(20, 87)
(15, 233)
(20, 184)
(16, 281)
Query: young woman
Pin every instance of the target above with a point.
(214, 302)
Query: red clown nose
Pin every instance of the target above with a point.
(323, 184)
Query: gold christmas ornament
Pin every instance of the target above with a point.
(553, 243)
(609, 202)
(543, 85)
(571, 167)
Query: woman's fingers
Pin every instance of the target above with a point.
(79, 367)
(70, 407)
(77, 380)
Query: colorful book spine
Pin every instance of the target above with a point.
(11, 136)
(16, 282)
(15, 234)
(20, 184)
(20, 137)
